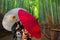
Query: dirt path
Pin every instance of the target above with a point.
(8, 37)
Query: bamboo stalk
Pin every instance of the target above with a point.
(51, 26)
(2, 6)
(55, 30)
(51, 11)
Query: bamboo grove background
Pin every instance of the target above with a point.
(38, 8)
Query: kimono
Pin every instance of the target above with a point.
(16, 32)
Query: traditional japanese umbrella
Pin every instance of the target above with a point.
(30, 23)
(10, 18)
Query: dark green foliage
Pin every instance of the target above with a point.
(38, 8)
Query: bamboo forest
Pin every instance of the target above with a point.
(46, 11)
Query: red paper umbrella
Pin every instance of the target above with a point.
(30, 23)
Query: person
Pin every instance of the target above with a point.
(19, 32)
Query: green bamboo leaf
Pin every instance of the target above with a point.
(36, 13)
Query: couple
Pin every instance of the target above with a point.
(19, 33)
(29, 27)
